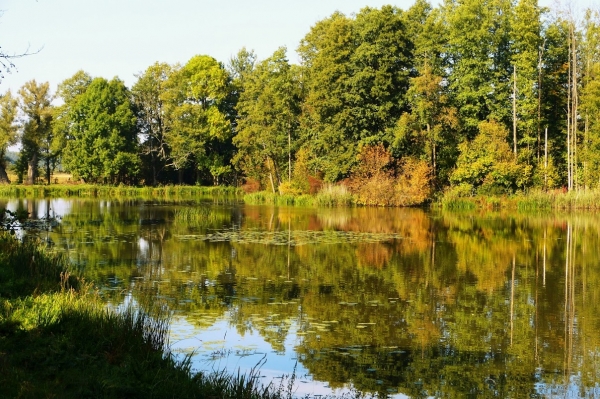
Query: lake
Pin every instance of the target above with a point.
(398, 302)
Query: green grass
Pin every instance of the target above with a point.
(89, 190)
(328, 196)
(59, 340)
(534, 200)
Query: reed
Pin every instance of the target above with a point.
(328, 196)
(334, 195)
(533, 200)
(89, 190)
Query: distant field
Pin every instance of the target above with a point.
(57, 178)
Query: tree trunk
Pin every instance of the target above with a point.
(48, 171)
(3, 176)
(515, 109)
(32, 169)
(539, 104)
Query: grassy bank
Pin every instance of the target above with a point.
(92, 191)
(328, 196)
(57, 339)
(531, 201)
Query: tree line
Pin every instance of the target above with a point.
(471, 97)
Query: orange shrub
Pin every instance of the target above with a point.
(413, 185)
(251, 186)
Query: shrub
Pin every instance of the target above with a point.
(251, 186)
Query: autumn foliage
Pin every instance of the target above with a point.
(380, 180)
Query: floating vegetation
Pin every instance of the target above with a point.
(293, 238)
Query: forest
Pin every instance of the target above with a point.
(470, 97)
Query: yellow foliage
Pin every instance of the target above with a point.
(378, 181)
(413, 186)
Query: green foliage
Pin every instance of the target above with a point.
(356, 74)
(102, 143)
(526, 33)
(487, 164)
(151, 117)
(198, 129)
(478, 49)
(68, 91)
(419, 82)
(268, 109)
(8, 130)
(37, 136)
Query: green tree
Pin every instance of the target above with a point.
(268, 108)
(148, 96)
(427, 130)
(102, 143)
(526, 42)
(356, 74)
(590, 99)
(487, 165)
(37, 135)
(554, 79)
(199, 129)
(8, 130)
(68, 91)
(479, 56)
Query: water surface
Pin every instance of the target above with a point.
(403, 302)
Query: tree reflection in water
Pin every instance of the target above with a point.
(383, 300)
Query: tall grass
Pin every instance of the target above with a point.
(534, 200)
(329, 196)
(25, 268)
(59, 339)
(89, 190)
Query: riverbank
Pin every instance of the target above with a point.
(328, 196)
(58, 339)
(101, 191)
(531, 201)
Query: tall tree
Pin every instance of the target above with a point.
(102, 143)
(356, 75)
(269, 107)
(8, 130)
(428, 131)
(37, 136)
(590, 99)
(554, 79)
(526, 43)
(200, 128)
(148, 93)
(68, 91)
(479, 59)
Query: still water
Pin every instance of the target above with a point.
(398, 302)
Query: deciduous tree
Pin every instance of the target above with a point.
(102, 143)
(199, 126)
(268, 120)
(487, 164)
(148, 96)
(37, 135)
(356, 75)
(8, 130)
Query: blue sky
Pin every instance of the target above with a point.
(123, 37)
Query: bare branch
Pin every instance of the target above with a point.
(6, 60)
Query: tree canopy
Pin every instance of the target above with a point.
(434, 88)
